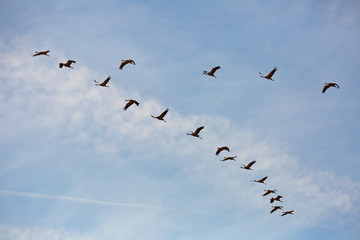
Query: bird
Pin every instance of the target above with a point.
(211, 73)
(275, 208)
(269, 75)
(103, 84)
(277, 198)
(196, 133)
(162, 115)
(327, 85)
(67, 64)
(261, 180)
(219, 149)
(248, 167)
(268, 192)
(228, 158)
(41, 53)
(287, 212)
(130, 102)
(124, 62)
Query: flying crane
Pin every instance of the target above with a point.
(228, 158)
(211, 73)
(67, 64)
(41, 53)
(130, 102)
(196, 133)
(327, 85)
(162, 115)
(220, 149)
(261, 180)
(124, 62)
(287, 212)
(103, 84)
(270, 74)
(277, 198)
(248, 167)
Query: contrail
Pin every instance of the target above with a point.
(92, 201)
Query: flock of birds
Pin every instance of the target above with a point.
(196, 133)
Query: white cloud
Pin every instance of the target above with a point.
(65, 102)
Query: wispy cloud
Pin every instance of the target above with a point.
(92, 201)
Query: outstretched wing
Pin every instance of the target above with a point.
(130, 102)
(128, 105)
(122, 65)
(214, 69)
(329, 85)
(70, 62)
(250, 164)
(124, 62)
(162, 115)
(326, 87)
(221, 149)
(106, 80)
(263, 179)
(198, 130)
(271, 73)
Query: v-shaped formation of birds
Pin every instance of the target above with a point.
(197, 131)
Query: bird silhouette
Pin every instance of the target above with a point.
(269, 75)
(211, 73)
(277, 198)
(268, 192)
(228, 158)
(276, 208)
(196, 133)
(220, 149)
(67, 64)
(42, 53)
(248, 167)
(261, 180)
(130, 102)
(327, 85)
(162, 115)
(287, 212)
(124, 62)
(103, 84)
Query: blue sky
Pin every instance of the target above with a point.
(75, 166)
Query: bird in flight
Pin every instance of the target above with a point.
(42, 53)
(228, 158)
(269, 75)
(268, 192)
(219, 149)
(276, 208)
(248, 167)
(162, 115)
(261, 180)
(277, 198)
(130, 102)
(124, 62)
(103, 84)
(211, 73)
(67, 64)
(196, 133)
(327, 85)
(287, 212)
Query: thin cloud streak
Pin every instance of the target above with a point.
(92, 201)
